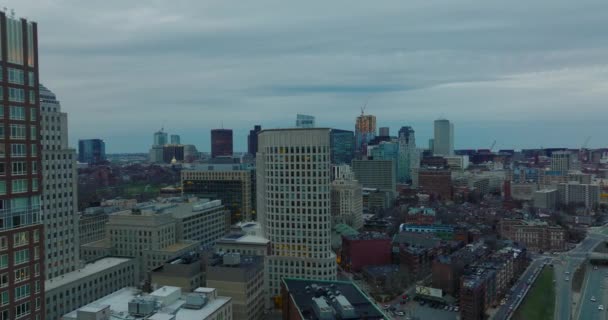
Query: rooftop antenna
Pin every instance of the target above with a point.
(13, 13)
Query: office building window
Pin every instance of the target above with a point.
(4, 298)
(3, 261)
(31, 79)
(33, 114)
(2, 187)
(33, 133)
(19, 168)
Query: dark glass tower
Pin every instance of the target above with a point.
(252, 140)
(342, 146)
(221, 143)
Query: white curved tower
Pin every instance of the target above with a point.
(293, 204)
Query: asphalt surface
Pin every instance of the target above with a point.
(595, 287)
(519, 288)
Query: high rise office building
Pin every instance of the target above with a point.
(293, 191)
(365, 131)
(59, 198)
(305, 121)
(160, 138)
(252, 140)
(22, 247)
(443, 142)
(408, 154)
(91, 151)
(176, 139)
(221, 143)
(342, 146)
(384, 132)
(560, 161)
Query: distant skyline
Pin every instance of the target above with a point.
(526, 74)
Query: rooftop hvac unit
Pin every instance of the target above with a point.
(232, 259)
(195, 301)
(141, 307)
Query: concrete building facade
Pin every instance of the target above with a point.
(89, 283)
(443, 142)
(347, 202)
(241, 278)
(293, 192)
(59, 198)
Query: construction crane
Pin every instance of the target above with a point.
(493, 145)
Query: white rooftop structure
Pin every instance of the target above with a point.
(169, 303)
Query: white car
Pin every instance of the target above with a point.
(567, 279)
(600, 307)
(567, 272)
(593, 299)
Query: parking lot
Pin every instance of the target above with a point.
(414, 309)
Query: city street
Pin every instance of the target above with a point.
(504, 312)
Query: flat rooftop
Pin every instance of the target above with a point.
(88, 270)
(242, 239)
(178, 246)
(303, 291)
(119, 304)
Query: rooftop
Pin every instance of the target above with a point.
(310, 294)
(367, 236)
(422, 210)
(88, 270)
(243, 238)
(119, 306)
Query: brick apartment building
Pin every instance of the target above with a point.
(365, 249)
(535, 235)
(437, 182)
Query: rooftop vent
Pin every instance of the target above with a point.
(142, 307)
(195, 301)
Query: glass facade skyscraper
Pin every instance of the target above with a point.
(342, 146)
(91, 151)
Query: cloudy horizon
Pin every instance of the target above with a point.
(526, 74)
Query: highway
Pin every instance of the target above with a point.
(595, 286)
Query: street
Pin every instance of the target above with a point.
(505, 311)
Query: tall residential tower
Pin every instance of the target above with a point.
(293, 201)
(22, 248)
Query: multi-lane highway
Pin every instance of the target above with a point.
(595, 294)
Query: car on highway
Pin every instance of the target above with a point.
(600, 307)
(400, 313)
(593, 299)
(566, 278)
(385, 307)
(567, 272)
(594, 267)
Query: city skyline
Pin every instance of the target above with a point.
(481, 65)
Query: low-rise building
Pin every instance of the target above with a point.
(545, 198)
(534, 234)
(89, 283)
(365, 249)
(186, 272)
(420, 216)
(166, 303)
(447, 269)
(316, 300)
(240, 277)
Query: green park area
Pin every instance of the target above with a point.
(135, 189)
(539, 304)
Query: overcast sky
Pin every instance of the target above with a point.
(523, 73)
